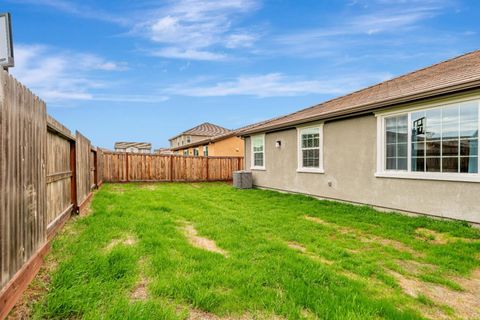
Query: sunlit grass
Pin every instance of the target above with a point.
(278, 263)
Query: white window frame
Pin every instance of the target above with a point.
(252, 162)
(205, 151)
(381, 172)
(300, 167)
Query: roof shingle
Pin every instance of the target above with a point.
(139, 145)
(205, 129)
(459, 73)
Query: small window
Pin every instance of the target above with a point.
(189, 139)
(185, 152)
(310, 149)
(205, 151)
(258, 152)
(195, 152)
(396, 139)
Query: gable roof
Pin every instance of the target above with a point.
(223, 136)
(139, 145)
(456, 74)
(205, 129)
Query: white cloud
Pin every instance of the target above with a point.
(60, 75)
(378, 21)
(277, 85)
(190, 54)
(77, 10)
(192, 29)
(240, 40)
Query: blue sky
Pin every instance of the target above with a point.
(145, 70)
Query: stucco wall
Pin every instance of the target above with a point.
(230, 147)
(174, 142)
(349, 163)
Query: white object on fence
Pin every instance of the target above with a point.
(6, 42)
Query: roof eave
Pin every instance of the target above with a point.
(372, 106)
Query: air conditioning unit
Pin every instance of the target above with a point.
(242, 179)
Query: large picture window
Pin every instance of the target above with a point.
(440, 141)
(258, 152)
(310, 149)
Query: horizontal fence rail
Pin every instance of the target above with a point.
(124, 167)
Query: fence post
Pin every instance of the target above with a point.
(207, 170)
(126, 166)
(95, 169)
(73, 179)
(171, 168)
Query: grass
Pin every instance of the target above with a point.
(279, 263)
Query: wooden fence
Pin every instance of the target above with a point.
(123, 167)
(47, 173)
(42, 166)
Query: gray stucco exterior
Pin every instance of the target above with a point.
(349, 148)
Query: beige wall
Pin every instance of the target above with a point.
(350, 163)
(173, 142)
(229, 147)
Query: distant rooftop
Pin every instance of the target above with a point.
(139, 145)
(205, 129)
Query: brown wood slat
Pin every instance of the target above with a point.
(58, 176)
(23, 210)
(122, 167)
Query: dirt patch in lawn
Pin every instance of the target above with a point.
(415, 267)
(296, 246)
(300, 248)
(319, 221)
(147, 186)
(366, 238)
(140, 291)
(436, 237)
(464, 303)
(196, 314)
(200, 242)
(128, 240)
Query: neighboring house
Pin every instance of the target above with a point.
(200, 132)
(133, 147)
(223, 145)
(407, 144)
(163, 151)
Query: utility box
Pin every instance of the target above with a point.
(242, 179)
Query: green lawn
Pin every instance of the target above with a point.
(136, 256)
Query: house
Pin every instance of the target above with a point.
(133, 147)
(200, 132)
(223, 145)
(163, 151)
(408, 144)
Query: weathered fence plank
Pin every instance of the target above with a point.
(59, 172)
(84, 186)
(23, 207)
(122, 167)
